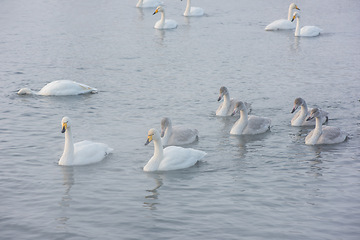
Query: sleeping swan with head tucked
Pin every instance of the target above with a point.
(61, 88)
(170, 158)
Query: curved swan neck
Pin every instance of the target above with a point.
(318, 126)
(158, 149)
(162, 20)
(168, 132)
(188, 7)
(297, 30)
(140, 3)
(290, 12)
(241, 123)
(68, 154)
(227, 100)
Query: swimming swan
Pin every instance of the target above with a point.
(300, 117)
(283, 24)
(80, 153)
(170, 158)
(307, 31)
(61, 88)
(248, 124)
(148, 3)
(227, 107)
(193, 11)
(164, 23)
(176, 135)
(323, 134)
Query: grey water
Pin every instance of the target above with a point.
(269, 186)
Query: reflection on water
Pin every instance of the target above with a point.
(151, 203)
(69, 181)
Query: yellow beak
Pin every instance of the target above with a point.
(64, 126)
(149, 139)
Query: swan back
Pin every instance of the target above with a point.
(66, 87)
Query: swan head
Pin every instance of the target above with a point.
(239, 106)
(296, 15)
(153, 134)
(315, 113)
(65, 123)
(223, 91)
(293, 6)
(165, 123)
(158, 9)
(24, 91)
(297, 103)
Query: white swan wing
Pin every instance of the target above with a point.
(179, 158)
(182, 135)
(196, 11)
(66, 87)
(87, 152)
(310, 31)
(281, 24)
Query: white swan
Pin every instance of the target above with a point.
(193, 11)
(227, 107)
(176, 135)
(323, 134)
(248, 124)
(148, 3)
(164, 23)
(80, 153)
(170, 158)
(283, 24)
(300, 117)
(61, 88)
(307, 31)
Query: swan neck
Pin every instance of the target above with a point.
(290, 13)
(167, 135)
(297, 30)
(140, 3)
(241, 123)
(318, 126)
(227, 100)
(188, 7)
(68, 154)
(162, 18)
(158, 149)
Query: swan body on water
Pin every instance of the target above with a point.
(80, 153)
(149, 3)
(250, 125)
(164, 23)
(193, 11)
(283, 24)
(170, 158)
(300, 117)
(61, 88)
(323, 134)
(176, 135)
(227, 107)
(307, 31)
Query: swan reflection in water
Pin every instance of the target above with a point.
(151, 201)
(69, 181)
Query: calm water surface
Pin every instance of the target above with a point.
(270, 186)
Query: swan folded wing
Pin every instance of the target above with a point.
(86, 152)
(257, 125)
(179, 158)
(331, 135)
(310, 31)
(65, 87)
(280, 24)
(183, 135)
